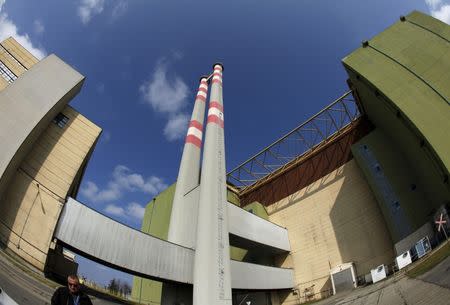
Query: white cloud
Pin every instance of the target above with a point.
(443, 13)
(90, 190)
(439, 9)
(123, 180)
(168, 96)
(163, 95)
(39, 27)
(9, 29)
(119, 9)
(177, 54)
(89, 8)
(114, 210)
(133, 209)
(433, 3)
(176, 127)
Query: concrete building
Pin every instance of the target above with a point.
(46, 145)
(356, 185)
(369, 174)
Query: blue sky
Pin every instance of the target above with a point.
(142, 61)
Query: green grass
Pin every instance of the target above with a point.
(431, 261)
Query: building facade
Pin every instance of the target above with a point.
(367, 192)
(369, 176)
(47, 145)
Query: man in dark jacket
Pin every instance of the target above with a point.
(71, 295)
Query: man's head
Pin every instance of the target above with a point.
(73, 283)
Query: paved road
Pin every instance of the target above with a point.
(25, 288)
(440, 275)
(432, 288)
(429, 289)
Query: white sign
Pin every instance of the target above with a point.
(403, 260)
(378, 273)
(441, 223)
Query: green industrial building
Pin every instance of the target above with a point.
(368, 188)
(344, 199)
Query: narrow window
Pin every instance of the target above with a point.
(6, 73)
(61, 120)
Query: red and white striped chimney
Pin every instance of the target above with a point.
(182, 227)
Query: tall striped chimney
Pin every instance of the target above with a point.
(212, 280)
(183, 217)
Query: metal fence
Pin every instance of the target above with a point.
(315, 132)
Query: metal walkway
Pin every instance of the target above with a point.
(246, 230)
(310, 135)
(111, 243)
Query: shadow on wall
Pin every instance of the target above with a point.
(316, 173)
(323, 199)
(343, 223)
(306, 293)
(360, 229)
(28, 196)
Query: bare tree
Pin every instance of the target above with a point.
(118, 287)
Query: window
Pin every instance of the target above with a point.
(7, 74)
(61, 120)
(396, 205)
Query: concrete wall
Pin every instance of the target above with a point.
(401, 78)
(156, 222)
(400, 193)
(28, 105)
(332, 221)
(107, 241)
(41, 163)
(32, 203)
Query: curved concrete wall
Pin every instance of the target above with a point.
(251, 276)
(256, 229)
(247, 229)
(28, 105)
(114, 243)
(411, 105)
(402, 78)
(138, 253)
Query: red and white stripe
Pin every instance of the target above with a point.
(195, 133)
(215, 113)
(201, 95)
(202, 91)
(217, 75)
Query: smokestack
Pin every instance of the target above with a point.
(183, 216)
(212, 280)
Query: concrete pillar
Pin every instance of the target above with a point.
(183, 218)
(212, 281)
